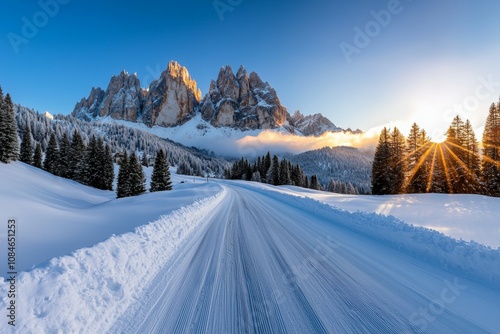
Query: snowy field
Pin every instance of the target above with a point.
(56, 216)
(239, 257)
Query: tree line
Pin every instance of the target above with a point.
(417, 165)
(8, 130)
(282, 172)
(120, 138)
(272, 171)
(91, 164)
(70, 157)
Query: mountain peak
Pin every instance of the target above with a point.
(242, 102)
(242, 72)
(176, 70)
(313, 125)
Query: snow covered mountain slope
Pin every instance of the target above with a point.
(346, 164)
(245, 259)
(313, 125)
(201, 134)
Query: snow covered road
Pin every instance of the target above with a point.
(261, 264)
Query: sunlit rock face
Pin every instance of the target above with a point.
(171, 100)
(242, 101)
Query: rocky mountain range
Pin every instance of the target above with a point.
(240, 101)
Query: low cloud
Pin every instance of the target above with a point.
(277, 142)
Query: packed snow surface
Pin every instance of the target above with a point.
(240, 257)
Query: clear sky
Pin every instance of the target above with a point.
(426, 62)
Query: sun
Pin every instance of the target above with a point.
(438, 137)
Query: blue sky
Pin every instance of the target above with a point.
(424, 64)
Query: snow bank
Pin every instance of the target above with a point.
(460, 216)
(469, 259)
(87, 291)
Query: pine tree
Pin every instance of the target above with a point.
(2, 125)
(256, 177)
(381, 170)
(315, 183)
(332, 186)
(267, 162)
(438, 179)
(76, 156)
(273, 175)
(101, 164)
(490, 171)
(144, 160)
(93, 159)
(423, 174)
(258, 165)
(108, 169)
(454, 157)
(160, 179)
(227, 174)
(297, 176)
(284, 174)
(397, 162)
(184, 168)
(26, 149)
(123, 186)
(418, 145)
(64, 149)
(351, 190)
(37, 157)
(136, 176)
(9, 146)
(51, 162)
(471, 160)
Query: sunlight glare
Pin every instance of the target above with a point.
(438, 137)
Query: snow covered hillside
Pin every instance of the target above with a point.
(57, 216)
(239, 257)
